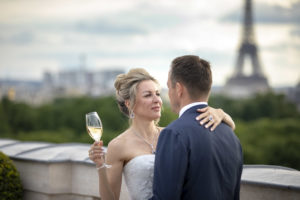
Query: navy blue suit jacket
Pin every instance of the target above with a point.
(193, 162)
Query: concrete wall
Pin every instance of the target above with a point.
(64, 171)
(261, 182)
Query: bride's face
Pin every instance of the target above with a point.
(148, 101)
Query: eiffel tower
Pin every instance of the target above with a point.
(240, 84)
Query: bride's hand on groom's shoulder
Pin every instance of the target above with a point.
(96, 153)
(210, 117)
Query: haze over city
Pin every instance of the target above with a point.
(38, 36)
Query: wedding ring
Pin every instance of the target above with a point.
(210, 118)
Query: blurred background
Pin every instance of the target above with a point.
(59, 59)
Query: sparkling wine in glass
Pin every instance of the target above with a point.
(94, 127)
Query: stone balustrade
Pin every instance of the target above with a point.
(63, 171)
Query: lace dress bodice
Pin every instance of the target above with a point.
(138, 174)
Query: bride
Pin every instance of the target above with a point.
(132, 152)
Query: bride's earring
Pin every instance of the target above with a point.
(131, 114)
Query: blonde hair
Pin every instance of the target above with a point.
(126, 87)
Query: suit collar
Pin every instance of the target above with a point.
(187, 107)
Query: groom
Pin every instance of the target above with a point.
(192, 162)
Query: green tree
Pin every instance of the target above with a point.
(19, 116)
(267, 124)
(167, 116)
(4, 127)
(10, 182)
(270, 141)
(270, 105)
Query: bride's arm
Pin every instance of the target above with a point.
(110, 179)
(217, 116)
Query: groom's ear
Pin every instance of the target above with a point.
(179, 89)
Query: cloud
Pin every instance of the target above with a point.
(138, 20)
(295, 32)
(102, 27)
(139, 33)
(283, 47)
(23, 38)
(269, 14)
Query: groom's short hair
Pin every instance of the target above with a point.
(194, 73)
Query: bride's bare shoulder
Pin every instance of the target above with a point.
(118, 144)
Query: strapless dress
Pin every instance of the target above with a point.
(138, 174)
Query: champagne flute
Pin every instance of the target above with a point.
(94, 128)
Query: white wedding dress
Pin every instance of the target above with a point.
(138, 174)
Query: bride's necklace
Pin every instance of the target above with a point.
(150, 144)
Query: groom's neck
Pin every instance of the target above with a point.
(187, 100)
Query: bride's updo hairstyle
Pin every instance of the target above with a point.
(126, 87)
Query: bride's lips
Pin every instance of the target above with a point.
(156, 108)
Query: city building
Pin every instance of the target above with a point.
(69, 83)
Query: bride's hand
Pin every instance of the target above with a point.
(212, 117)
(96, 153)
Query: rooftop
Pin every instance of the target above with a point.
(277, 178)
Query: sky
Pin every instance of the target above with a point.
(38, 36)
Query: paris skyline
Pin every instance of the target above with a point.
(38, 36)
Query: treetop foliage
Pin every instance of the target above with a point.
(267, 124)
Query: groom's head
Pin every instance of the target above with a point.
(189, 80)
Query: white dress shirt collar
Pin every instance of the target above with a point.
(186, 107)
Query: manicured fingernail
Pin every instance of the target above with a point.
(197, 118)
(206, 126)
(211, 129)
(201, 123)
